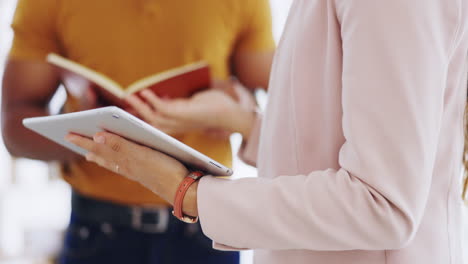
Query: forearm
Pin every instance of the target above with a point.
(310, 212)
(22, 142)
(253, 69)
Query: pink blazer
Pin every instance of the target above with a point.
(360, 149)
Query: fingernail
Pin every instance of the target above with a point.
(89, 156)
(99, 139)
(70, 137)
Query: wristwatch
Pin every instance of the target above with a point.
(180, 194)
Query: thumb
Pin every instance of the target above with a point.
(168, 107)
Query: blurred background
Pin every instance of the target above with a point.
(33, 234)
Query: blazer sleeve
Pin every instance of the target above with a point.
(395, 57)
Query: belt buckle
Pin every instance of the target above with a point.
(162, 217)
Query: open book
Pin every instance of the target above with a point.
(178, 82)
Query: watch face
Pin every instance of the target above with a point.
(186, 219)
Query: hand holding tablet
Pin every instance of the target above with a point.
(117, 121)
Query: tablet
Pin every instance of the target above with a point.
(117, 121)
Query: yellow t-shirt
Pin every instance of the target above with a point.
(130, 39)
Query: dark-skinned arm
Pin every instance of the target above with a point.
(27, 89)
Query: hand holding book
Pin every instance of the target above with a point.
(196, 101)
(212, 109)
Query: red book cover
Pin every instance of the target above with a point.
(179, 82)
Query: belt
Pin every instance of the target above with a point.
(148, 219)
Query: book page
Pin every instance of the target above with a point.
(81, 70)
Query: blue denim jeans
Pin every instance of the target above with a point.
(101, 243)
